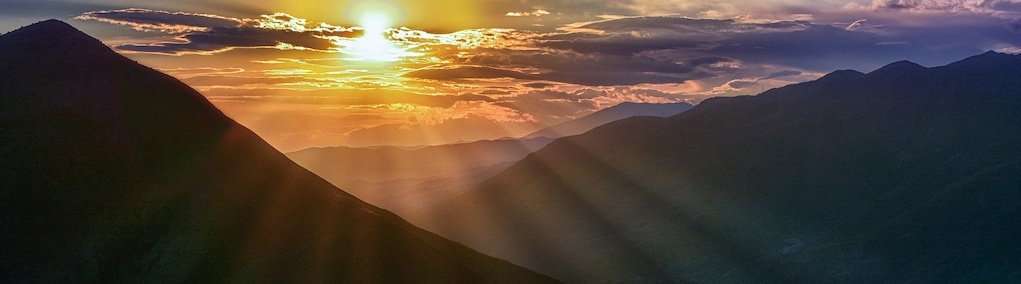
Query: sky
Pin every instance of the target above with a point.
(361, 73)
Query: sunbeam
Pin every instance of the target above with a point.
(510, 141)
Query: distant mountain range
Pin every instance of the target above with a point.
(406, 180)
(113, 172)
(611, 114)
(904, 174)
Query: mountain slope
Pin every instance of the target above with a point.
(611, 114)
(405, 180)
(409, 180)
(905, 174)
(113, 172)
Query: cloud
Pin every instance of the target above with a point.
(201, 71)
(690, 26)
(237, 81)
(337, 97)
(533, 13)
(674, 50)
(569, 9)
(538, 85)
(445, 132)
(799, 44)
(980, 6)
(781, 74)
(555, 106)
(464, 120)
(570, 67)
(610, 52)
(741, 84)
(537, 62)
(161, 21)
(222, 39)
(638, 34)
(856, 24)
(469, 72)
(208, 34)
(588, 78)
(744, 83)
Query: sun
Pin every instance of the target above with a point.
(375, 23)
(374, 44)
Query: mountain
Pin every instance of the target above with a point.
(406, 180)
(904, 174)
(611, 114)
(113, 172)
(410, 180)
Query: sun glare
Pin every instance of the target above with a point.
(374, 44)
(375, 23)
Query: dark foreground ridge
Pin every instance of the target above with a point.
(113, 172)
(905, 174)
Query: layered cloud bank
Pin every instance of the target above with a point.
(304, 83)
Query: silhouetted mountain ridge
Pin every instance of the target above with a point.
(841, 76)
(610, 114)
(989, 59)
(905, 174)
(114, 172)
(897, 68)
(53, 37)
